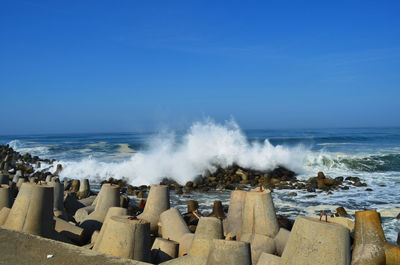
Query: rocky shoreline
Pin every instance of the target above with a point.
(248, 229)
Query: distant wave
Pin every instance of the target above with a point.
(28, 147)
(362, 163)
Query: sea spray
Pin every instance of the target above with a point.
(205, 146)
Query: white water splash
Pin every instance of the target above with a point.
(204, 146)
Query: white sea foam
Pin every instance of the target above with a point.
(28, 147)
(204, 146)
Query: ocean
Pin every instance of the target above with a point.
(372, 154)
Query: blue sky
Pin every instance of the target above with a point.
(108, 66)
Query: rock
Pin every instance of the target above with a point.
(321, 184)
(339, 180)
(354, 179)
(189, 184)
(192, 228)
(321, 175)
(368, 189)
(192, 206)
(282, 174)
(178, 190)
(329, 182)
(311, 189)
(341, 211)
(285, 222)
(360, 184)
(293, 194)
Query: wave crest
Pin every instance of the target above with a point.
(205, 146)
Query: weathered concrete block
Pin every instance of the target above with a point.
(226, 252)
(157, 202)
(163, 250)
(318, 242)
(125, 237)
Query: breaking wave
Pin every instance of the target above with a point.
(204, 146)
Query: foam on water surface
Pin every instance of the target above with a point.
(373, 155)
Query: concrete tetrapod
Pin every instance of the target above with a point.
(269, 259)
(59, 200)
(234, 220)
(108, 197)
(75, 185)
(89, 200)
(16, 178)
(32, 211)
(82, 213)
(20, 181)
(392, 254)
(112, 211)
(226, 252)
(317, 242)
(5, 196)
(369, 239)
(4, 212)
(157, 202)
(163, 250)
(209, 228)
(258, 245)
(281, 240)
(185, 244)
(125, 237)
(259, 215)
(173, 227)
(84, 189)
(72, 232)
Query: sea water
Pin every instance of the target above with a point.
(372, 154)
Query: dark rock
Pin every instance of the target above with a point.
(192, 206)
(311, 196)
(189, 184)
(282, 174)
(229, 187)
(293, 194)
(329, 182)
(345, 188)
(321, 184)
(339, 180)
(311, 189)
(179, 190)
(368, 189)
(143, 187)
(192, 228)
(285, 222)
(321, 175)
(354, 179)
(187, 189)
(360, 184)
(341, 211)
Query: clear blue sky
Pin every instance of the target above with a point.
(95, 66)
